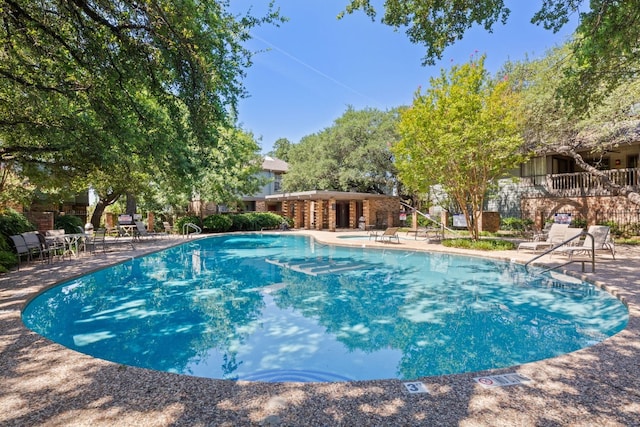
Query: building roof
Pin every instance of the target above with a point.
(324, 195)
(275, 165)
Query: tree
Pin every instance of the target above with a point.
(110, 94)
(606, 44)
(351, 155)
(462, 133)
(551, 124)
(281, 149)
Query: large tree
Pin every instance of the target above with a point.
(463, 133)
(351, 155)
(111, 93)
(551, 125)
(606, 45)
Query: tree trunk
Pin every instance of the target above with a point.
(101, 206)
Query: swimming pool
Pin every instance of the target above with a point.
(284, 308)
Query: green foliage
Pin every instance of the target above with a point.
(11, 223)
(436, 25)
(351, 155)
(7, 260)
(179, 224)
(578, 223)
(118, 96)
(217, 223)
(68, 223)
(463, 133)
(605, 46)
(515, 224)
(481, 245)
(281, 149)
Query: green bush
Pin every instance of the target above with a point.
(482, 245)
(240, 222)
(578, 223)
(218, 223)
(11, 223)
(515, 224)
(185, 220)
(68, 223)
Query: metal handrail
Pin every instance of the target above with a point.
(429, 217)
(593, 254)
(190, 225)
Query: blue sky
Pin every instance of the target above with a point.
(313, 66)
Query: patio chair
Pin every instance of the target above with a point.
(98, 239)
(389, 234)
(21, 248)
(50, 249)
(168, 228)
(554, 237)
(601, 241)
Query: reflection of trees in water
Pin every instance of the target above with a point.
(197, 297)
(428, 322)
(180, 314)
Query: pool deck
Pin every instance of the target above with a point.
(43, 383)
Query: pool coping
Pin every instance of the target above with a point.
(44, 383)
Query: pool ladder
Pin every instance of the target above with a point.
(190, 226)
(593, 254)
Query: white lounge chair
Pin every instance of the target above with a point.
(554, 237)
(601, 241)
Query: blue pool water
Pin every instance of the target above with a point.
(283, 308)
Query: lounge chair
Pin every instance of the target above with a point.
(389, 234)
(554, 238)
(141, 231)
(601, 241)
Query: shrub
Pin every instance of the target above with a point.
(515, 224)
(218, 223)
(482, 245)
(11, 223)
(240, 222)
(579, 223)
(68, 223)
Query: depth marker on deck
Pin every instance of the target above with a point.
(415, 387)
(502, 380)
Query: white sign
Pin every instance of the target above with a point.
(502, 380)
(416, 387)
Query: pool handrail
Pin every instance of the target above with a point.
(593, 254)
(190, 225)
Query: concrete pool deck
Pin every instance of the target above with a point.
(43, 383)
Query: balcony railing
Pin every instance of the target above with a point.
(580, 183)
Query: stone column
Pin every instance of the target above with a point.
(353, 220)
(319, 214)
(307, 214)
(298, 220)
(332, 214)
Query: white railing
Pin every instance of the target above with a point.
(581, 183)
